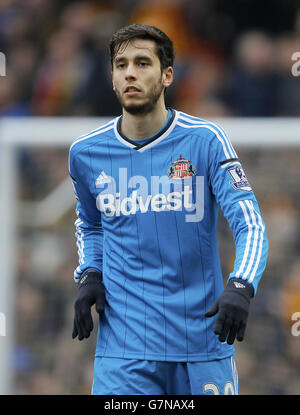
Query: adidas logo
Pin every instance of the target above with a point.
(238, 285)
(102, 178)
(81, 281)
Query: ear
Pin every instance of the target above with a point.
(168, 76)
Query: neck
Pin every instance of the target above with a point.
(145, 125)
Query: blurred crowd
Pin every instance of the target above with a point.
(233, 59)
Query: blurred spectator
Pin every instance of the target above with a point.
(194, 92)
(62, 74)
(22, 64)
(251, 88)
(10, 100)
(168, 15)
(98, 95)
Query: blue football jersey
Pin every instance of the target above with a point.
(147, 219)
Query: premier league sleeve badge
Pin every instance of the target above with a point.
(240, 181)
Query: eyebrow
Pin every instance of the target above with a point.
(136, 58)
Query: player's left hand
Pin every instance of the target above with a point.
(232, 308)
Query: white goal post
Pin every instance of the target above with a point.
(60, 132)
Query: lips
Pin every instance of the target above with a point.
(131, 89)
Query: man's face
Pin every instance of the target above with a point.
(137, 77)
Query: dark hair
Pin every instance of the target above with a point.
(164, 45)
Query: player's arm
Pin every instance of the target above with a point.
(89, 235)
(236, 198)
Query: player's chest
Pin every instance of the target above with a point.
(164, 165)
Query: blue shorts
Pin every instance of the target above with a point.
(117, 376)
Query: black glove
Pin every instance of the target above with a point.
(233, 307)
(90, 291)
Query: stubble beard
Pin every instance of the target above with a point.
(145, 107)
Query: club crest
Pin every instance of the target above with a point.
(181, 169)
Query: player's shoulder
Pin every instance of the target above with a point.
(209, 132)
(200, 126)
(94, 136)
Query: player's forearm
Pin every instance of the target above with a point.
(251, 244)
(90, 245)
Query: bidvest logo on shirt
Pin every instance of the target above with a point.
(157, 193)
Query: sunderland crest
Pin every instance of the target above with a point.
(181, 169)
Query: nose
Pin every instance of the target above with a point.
(130, 72)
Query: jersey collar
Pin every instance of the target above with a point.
(152, 141)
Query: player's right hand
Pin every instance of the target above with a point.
(90, 291)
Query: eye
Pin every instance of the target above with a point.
(143, 64)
